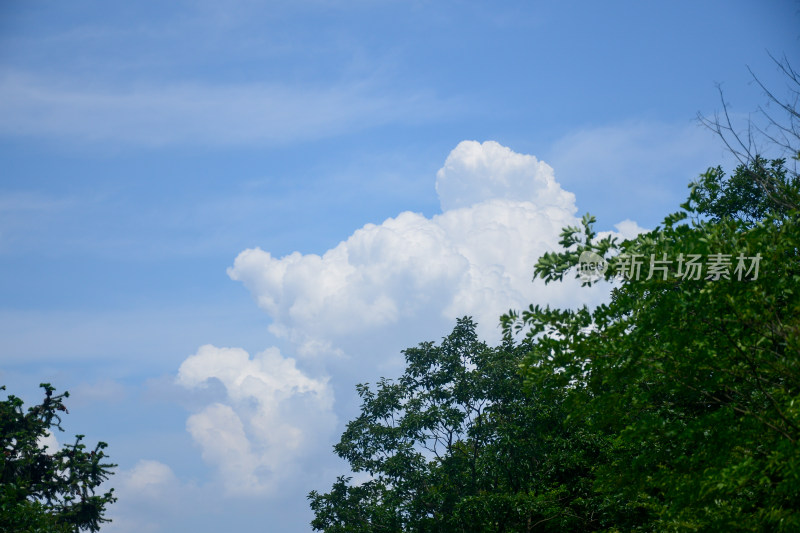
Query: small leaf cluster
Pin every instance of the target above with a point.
(755, 191)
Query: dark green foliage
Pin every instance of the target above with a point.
(752, 193)
(43, 490)
(696, 381)
(456, 444)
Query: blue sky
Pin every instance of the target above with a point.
(216, 218)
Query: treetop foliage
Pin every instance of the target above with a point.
(44, 490)
(697, 381)
(456, 444)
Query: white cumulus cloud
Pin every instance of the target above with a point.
(475, 172)
(48, 441)
(348, 312)
(270, 412)
(148, 476)
(501, 211)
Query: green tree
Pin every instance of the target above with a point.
(455, 444)
(695, 378)
(775, 127)
(754, 191)
(43, 490)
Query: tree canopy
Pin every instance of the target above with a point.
(676, 406)
(457, 444)
(692, 372)
(44, 490)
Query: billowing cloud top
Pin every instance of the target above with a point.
(502, 210)
(475, 172)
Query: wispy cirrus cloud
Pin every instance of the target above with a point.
(205, 114)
